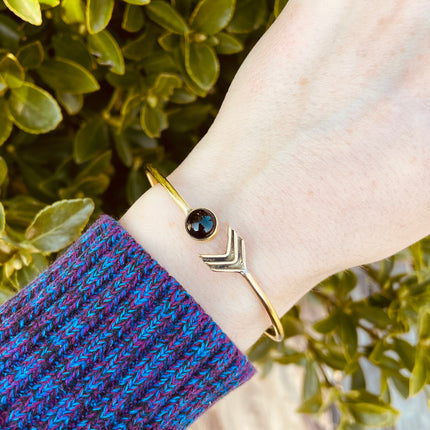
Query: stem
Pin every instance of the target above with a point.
(328, 382)
(312, 350)
(326, 298)
(115, 96)
(369, 331)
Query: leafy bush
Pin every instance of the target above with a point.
(387, 328)
(90, 90)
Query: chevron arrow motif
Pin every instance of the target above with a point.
(234, 261)
(234, 258)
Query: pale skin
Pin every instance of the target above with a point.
(319, 158)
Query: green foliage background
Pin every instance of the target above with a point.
(91, 90)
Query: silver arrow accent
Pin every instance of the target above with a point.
(234, 258)
(234, 261)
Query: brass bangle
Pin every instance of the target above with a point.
(201, 224)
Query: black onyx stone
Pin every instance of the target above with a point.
(200, 223)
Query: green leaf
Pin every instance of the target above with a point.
(347, 282)
(24, 276)
(98, 14)
(73, 103)
(358, 380)
(260, 349)
(424, 323)
(164, 86)
(373, 314)
(136, 185)
(386, 362)
(184, 6)
(51, 3)
(31, 56)
(377, 352)
(182, 96)
(169, 41)
(311, 383)
(160, 61)
(189, 117)
(10, 33)
(91, 139)
(279, 5)
(94, 185)
(123, 148)
(3, 170)
(3, 86)
(5, 121)
(130, 79)
(153, 120)
(90, 186)
(292, 326)
(248, 16)
(228, 44)
(2, 219)
(406, 352)
(96, 166)
(417, 254)
(201, 64)
(107, 51)
(14, 264)
(385, 395)
(211, 16)
(50, 186)
(71, 47)
(348, 335)
(332, 355)
(419, 373)
(402, 384)
(163, 14)
(66, 76)
(328, 324)
(362, 396)
(290, 358)
(32, 175)
(385, 268)
(11, 71)
(192, 87)
(34, 110)
(138, 2)
(132, 20)
(373, 415)
(59, 224)
(139, 139)
(141, 47)
(419, 289)
(73, 11)
(310, 406)
(130, 111)
(21, 209)
(27, 10)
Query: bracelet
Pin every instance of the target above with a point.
(201, 224)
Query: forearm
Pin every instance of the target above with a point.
(318, 158)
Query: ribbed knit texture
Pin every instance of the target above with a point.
(106, 339)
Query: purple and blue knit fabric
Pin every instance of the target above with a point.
(106, 339)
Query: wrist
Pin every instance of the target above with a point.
(157, 223)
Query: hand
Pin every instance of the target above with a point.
(319, 157)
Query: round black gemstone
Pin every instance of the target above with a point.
(200, 223)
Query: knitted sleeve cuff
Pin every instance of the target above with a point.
(106, 339)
